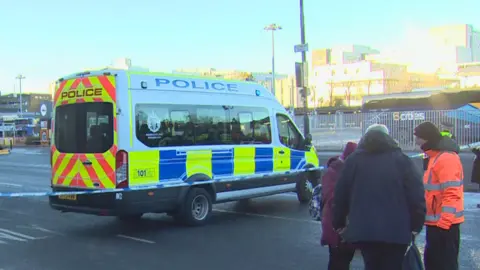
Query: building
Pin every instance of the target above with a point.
(436, 49)
(341, 55)
(10, 103)
(469, 75)
(286, 90)
(321, 57)
(350, 54)
(346, 84)
(456, 43)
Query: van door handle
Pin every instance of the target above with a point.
(281, 152)
(87, 162)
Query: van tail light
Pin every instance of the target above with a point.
(121, 169)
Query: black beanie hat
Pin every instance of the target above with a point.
(428, 131)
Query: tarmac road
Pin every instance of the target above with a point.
(268, 233)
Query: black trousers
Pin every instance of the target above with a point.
(383, 256)
(340, 257)
(441, 248)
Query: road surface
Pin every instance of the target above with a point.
(267, 233)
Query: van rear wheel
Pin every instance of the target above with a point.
(196, 209)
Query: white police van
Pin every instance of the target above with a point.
(174, 144)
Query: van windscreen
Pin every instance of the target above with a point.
(84, 127)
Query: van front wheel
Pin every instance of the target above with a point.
(196, 209)
(305, 188)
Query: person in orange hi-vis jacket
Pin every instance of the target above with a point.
(443, 182)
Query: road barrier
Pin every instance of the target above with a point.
(176, 183)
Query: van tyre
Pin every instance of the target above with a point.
(196, 209)
(304, 188)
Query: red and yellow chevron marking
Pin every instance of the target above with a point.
(68, 168)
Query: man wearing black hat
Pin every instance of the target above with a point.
(443, 182)
(444, 133)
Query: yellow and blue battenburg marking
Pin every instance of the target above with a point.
(148, 167)
(148, 178)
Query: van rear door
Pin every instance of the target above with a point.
(84, 133)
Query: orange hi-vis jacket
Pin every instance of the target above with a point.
(443, 182)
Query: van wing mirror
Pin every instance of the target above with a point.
(308, 141)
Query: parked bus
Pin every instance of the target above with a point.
(453, 110)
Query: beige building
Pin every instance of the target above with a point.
(347, 83)
(469, 75)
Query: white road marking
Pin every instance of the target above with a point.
(16, 236)
(267, 216)
(135, 239)
(10, 184)
(38, 228)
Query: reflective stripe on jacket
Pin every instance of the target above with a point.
(446, 134)
(443, 181)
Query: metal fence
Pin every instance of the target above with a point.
(333, 131)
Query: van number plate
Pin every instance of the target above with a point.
(68, 197)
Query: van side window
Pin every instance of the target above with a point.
(212, 126)
(289, 135)
(250, 125)
(152, 124)
(163, 125)
(182, 128)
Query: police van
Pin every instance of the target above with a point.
(171, 144)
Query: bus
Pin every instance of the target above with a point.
(455, 110)
(23, 126)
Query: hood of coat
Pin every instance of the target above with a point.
(376, 141)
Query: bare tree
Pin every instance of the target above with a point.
(330, 93)
(321, 101)
(348, 91)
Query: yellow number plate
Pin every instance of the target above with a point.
(68, 197)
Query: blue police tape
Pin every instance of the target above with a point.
(178, 183)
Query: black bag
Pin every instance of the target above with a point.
(413, 259)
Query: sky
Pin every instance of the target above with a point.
(45, 40)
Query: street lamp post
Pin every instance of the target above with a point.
(20, 77)
(273, 27)
(306, 121)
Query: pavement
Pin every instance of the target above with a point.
(267, 233)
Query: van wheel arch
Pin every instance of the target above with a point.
(198, 179)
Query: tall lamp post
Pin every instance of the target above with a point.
(20, 77)
(306, 121)
(273, 27)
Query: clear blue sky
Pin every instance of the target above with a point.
(47, 39)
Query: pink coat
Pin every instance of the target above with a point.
(329, 236)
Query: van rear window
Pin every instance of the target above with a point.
(84, 127)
